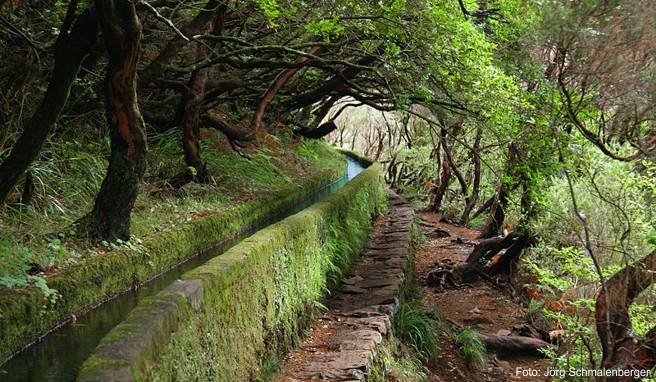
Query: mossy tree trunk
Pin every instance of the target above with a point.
(110, 217)
(70, 50)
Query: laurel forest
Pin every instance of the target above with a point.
(532, 121)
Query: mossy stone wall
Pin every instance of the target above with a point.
(255, 297)
(24, 315)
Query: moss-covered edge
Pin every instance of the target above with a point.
(24, 315)
(255, 295)
(364, 161)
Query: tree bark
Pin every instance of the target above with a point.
(621, 349)
(316, 129)
(436, 198)
(110, 217)
(489, 251)
(336, 85)
(497, 215)
(320, 132)
(484, 207)
(71, 50)
(190, 124)
(514, 344)
(505, 263)
(191, 107)
(234, 134)
(482, 252)
(473, 198)
(448, 164)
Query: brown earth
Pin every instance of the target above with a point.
(482, 306)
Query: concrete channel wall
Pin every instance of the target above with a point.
(24, 315)
(231, 318)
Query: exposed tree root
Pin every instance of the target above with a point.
(489, 259)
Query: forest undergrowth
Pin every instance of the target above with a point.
(42, 237)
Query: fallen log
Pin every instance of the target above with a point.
(483, 252)
(514, 344)
(491, 251)
(489, 259)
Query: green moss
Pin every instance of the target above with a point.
(94, 363)
(275, 277)
(22, 314)
(362, 160)
(255, 293)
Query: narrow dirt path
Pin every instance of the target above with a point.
(480, 306)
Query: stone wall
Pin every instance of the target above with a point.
(230, 318)
(23, 316)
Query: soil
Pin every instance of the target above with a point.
(482, 306)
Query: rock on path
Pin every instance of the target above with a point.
(342, 343)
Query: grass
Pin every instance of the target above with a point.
(38, 239)
(398, 362)
(472, 348)
(418, 238)
(417, 329)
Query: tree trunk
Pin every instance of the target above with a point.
(621, 349)
(473, 198)
(71, 50)
(448, 165)
(494, 223)
(316, 129)
(482, 252)
(506, 263)
(436, 194)
(484, 207)
(190, 126)
(514, 344)
(110, 217)
(233, 134)
(486, 259)
(190, 109)
(437, 197)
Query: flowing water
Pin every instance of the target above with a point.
(60, 354)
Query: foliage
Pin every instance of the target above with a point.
(472, 347)
(70, 172)
(416, 328)
(614, 198)
(396, 361)
(619, 192)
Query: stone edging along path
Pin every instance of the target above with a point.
(343, 342)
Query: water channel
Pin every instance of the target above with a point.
(59, 355)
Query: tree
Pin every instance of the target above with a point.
(110, 217)
(76, 39)
(598, 57)
(622, 349)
